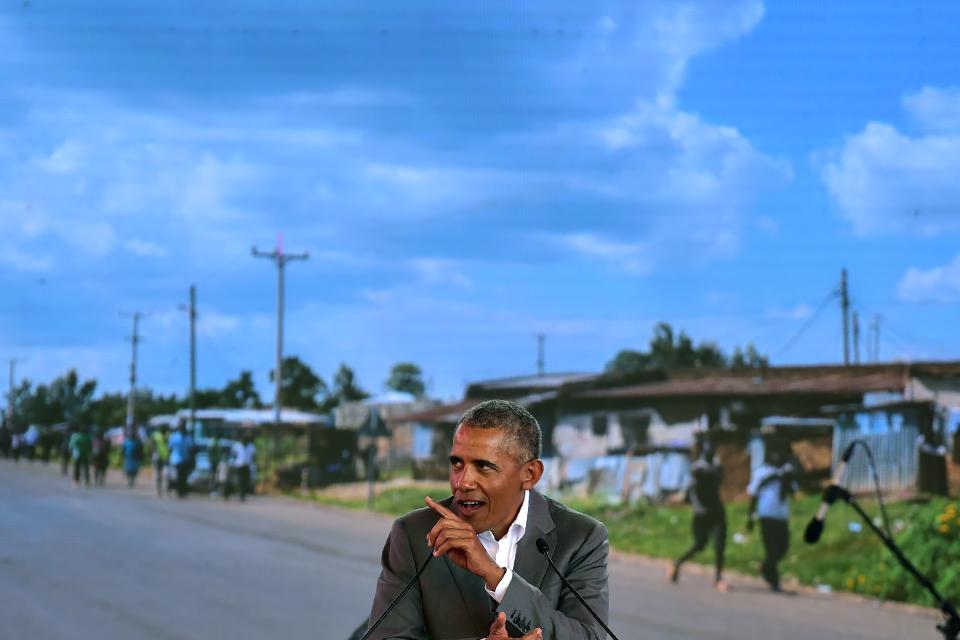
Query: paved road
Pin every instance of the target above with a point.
(110, 563)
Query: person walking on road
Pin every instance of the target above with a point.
(101, 457)
(132, 456)
(241, 460)
(709, 515)
(161, 455)
(181, 454)
(770, 489)
(214, 455)
(80, 450)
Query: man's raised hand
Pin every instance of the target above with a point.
(456, 538)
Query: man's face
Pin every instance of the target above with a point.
(487, 482)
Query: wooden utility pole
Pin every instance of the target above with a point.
(845, 305)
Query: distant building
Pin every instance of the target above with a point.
(390, 406)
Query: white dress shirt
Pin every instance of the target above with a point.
(504, 551)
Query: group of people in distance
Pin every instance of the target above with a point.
(476, 565)
(85, 448)
(771, 486)
(174, 458)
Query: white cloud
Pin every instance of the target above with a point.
(937, 284)
(800, 312)
(935, 109)
(26, 261)
(885, 181)
(145, 248)
(631, 258)
(439, 271)
(214, 324)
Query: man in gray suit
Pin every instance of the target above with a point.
(487, 579)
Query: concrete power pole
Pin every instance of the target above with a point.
(280, 259)
(192, 313)
(875, 334)
(193, 358)
(540, 354)
(845, 304)
(131, 398)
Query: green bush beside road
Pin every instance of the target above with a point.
(847, 558)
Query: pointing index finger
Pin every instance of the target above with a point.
(439, 508)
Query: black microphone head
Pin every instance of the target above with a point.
(542, 546)
(813, 531)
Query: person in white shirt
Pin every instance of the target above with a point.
(241, 461)
(770, 489)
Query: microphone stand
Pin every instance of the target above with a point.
(951, 626)
(383, 615)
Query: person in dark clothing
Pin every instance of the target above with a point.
(5, 441)
(709, 515)
(65, 453)
(80, 451)
(101, 457)
(770, 489)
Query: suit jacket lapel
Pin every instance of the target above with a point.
(475, 598)
(530, 563)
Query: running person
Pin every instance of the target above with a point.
(709, 515)
(770, 489)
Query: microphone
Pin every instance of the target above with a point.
(815, 529)
(544, 548)
(398, 598)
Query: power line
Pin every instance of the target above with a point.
(806, 325)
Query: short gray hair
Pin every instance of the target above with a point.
(523, 438)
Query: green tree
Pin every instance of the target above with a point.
(240, 393)
(345, 388)
(407, 377)
(65, 399)
(668, 350)
(748, 359)
(300, 387)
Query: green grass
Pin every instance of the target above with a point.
(843, 559)
(394, 502)
(846, 561)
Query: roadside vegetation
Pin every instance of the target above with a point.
(847, 558)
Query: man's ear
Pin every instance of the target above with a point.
(531, 473)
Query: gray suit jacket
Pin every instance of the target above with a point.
(451, 603)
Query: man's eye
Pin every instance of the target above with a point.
(456, 464)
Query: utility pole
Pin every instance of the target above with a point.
(131, 399)
(875, 334)
(192, 312)
(856, 338)
(540, 353)
(845, 305)
(9, 421)
(280, 259)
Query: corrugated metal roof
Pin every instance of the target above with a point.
(759, 384)
(452, 412)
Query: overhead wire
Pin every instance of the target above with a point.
(806, 325)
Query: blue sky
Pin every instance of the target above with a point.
(465, 178)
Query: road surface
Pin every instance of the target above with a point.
(112, 563)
